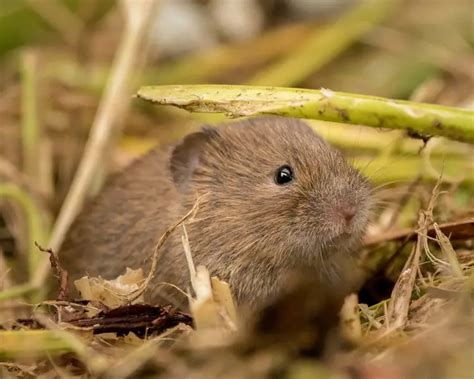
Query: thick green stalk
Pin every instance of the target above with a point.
(235, 101)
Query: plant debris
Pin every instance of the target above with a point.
(140, 319)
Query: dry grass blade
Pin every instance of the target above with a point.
(157, 250)
(397, 313)
(400, 299)
(448, 250)
(213, 305)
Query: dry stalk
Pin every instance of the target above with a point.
(448, 250)
(156, 253)
(189, 257)
(111, 110)
(397, 312)
(213, 301)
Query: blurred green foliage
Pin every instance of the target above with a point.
(21, 25)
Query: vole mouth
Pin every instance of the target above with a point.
(344, 238)
(339, 241)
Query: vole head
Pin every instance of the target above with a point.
(274, 191)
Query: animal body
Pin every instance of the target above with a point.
(275, 198)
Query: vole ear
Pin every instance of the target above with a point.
(185, 156)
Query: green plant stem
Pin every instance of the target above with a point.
(37, 230)
(29, 111)
(16, 291)
(357, 138)
(418, 118)
(324, 45)
(107, 123)
(21, 25)
(31, 343)
(406, 169)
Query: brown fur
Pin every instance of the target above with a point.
(248, 230)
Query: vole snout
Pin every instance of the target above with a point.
(342, 219)
(340, 202)
(344, 214)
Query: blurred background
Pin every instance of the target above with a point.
(57, 58)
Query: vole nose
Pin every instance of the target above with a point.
(347, 212)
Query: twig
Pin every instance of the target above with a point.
(59, 272)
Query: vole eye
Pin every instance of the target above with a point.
(283, 175)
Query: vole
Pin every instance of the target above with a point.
(274, 197)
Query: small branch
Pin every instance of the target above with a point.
(59, 272)
(235, 101)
